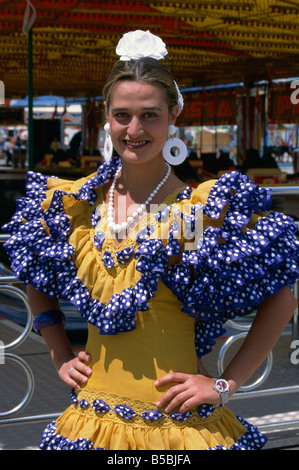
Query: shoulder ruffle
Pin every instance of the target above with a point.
(250, 256)
(41, 254)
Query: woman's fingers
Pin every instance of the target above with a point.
(84, 356)
(188, 391)
(72, 378)
(76, 377)
(172, 377)
(175, 395)
(76, 371)
(80, 371)
(177, 399)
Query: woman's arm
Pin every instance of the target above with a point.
(192, 390)
(273, 315)
(58, 344)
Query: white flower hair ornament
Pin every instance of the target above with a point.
(139, 44)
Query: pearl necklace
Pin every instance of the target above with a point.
(116, 228)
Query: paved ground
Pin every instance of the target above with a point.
(51, 396)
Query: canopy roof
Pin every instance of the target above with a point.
(209, 42)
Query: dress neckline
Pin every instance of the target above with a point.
(131, 236)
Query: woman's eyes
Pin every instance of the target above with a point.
(121, 115)
(147, 115)
(150, 115)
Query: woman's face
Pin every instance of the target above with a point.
(139, 118)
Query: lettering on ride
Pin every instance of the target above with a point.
(2, 97)
(284, 104)
(211, 109)
(295, 93)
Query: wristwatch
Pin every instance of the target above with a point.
(222, 387)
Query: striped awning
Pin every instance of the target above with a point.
(209, 42)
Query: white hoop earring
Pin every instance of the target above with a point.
(174, 150)
(108, 146)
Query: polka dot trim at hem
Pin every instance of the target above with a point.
(252, 439)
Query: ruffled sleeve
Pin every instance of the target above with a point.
(244, 254)
(54, 246)
(37, 246)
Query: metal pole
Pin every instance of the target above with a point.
(266, 103)
(30, 103)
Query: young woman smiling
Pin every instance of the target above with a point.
(154, 306)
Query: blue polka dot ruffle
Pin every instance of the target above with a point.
(252, 439)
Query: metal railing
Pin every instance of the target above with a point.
(245, 392)
(15, 343)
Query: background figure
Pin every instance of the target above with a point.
(252, 160)
(75, 145)
(55, 145)
(7, 147)
(268, 161)
(16, 152)
(224, 161)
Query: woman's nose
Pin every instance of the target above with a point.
(134, 128)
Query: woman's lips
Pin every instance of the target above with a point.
(135, 144)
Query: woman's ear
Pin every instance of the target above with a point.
(173, 114)
(105, 111)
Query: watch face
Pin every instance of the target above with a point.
(221, 385)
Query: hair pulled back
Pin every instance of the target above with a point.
(147, 70)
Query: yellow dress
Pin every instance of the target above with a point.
(153, 303)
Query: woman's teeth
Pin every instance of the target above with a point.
(136, 144)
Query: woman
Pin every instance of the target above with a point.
(154, 298)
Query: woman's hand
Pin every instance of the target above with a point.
(74, 370)
(188, 391)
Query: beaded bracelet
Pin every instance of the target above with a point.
(50, 317)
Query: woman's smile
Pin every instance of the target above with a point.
(135, 145)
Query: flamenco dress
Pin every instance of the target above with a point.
(154, 302)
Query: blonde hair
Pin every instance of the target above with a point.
(147, 70)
